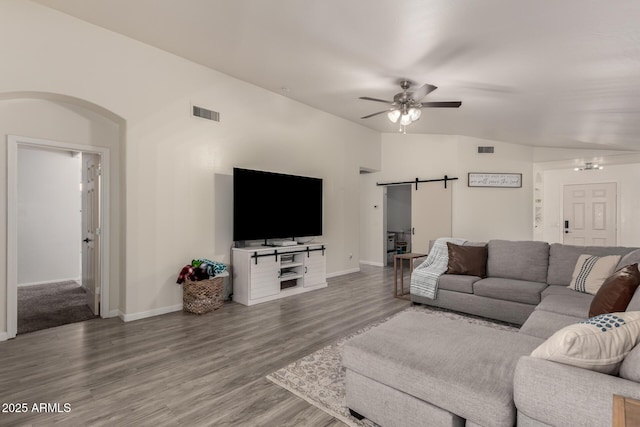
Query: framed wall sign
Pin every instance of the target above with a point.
(506, 180)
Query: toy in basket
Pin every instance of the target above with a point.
(202, 292)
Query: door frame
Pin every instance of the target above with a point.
(13, 143)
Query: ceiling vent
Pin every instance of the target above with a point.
(205, 114)
(485, 150)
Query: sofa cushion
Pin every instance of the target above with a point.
(461, 373)
(616, 292)
(630, 368)
(565, 396)
(509, 289)
(591, 271)
(543, 324)
(518, 260)
(563, 258)
(457, 283)
(575, 304)
(599, 343)
(467, 260)
(560, 290)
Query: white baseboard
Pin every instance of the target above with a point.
(44, 282)
(114, 313)
(4, 336)
(373, 263)
(144, 314)
(342, 273)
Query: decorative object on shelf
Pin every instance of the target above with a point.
(501, 180)
(589, 166)
(406, 107)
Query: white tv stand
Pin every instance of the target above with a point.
(265, 273)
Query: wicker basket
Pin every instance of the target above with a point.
(202, 296)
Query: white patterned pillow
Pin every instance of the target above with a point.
(600, 343)
(591, 271)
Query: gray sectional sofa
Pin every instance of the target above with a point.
(519, 276)
(417, 370)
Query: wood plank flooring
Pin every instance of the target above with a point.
(184, 369)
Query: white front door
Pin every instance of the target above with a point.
(590, 216)
(91, 229)
(430, 214)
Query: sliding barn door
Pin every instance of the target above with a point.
(430, 214)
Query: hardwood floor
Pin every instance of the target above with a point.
(184, 369)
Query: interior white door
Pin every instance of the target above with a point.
(430, 214)
(590, 216)
(91, 229)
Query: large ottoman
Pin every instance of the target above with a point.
(421, 369)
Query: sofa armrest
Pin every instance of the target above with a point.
(563, 395)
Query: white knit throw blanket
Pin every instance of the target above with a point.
(424, 279)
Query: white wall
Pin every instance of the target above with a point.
(482, 214)
(479, 214)
(170, 158)
(626, 176)
(48, 216)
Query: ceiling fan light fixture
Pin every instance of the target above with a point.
(405, 119)
(393, 115)
(414, 113)
(589, 166)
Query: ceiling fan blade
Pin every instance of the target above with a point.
(367, 98)
(423, 91)
(375, 114)
(444, 104)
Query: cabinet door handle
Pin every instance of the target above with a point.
(305, 269)
(413, 230)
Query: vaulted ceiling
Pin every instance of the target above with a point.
(560, 73)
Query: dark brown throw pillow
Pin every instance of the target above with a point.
(467, 260)
(616, 292)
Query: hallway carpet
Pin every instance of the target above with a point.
(51, 304)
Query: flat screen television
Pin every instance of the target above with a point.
(268, 205)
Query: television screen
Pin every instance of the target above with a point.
(269, 205)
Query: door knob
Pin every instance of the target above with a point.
(87, 240)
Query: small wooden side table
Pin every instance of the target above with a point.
(626, 411)
(401, 257)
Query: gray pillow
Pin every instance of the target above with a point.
(630, 368)
(630, 258)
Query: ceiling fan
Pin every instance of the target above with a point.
(406, 106)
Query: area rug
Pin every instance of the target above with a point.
(319, 378)
(51, 304)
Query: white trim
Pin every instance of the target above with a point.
(373, 263)
(46, 282)
(155, 312)
(342, 273)
(4, 336)
(13, 141)
(115, 313)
